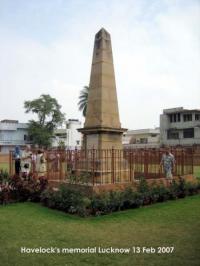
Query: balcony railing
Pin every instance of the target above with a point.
(14, 142)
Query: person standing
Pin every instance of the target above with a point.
(26, 160)
(168, 163)
(41, 164)
(17, 157)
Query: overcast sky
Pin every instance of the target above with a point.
(46, 47)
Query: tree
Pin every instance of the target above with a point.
(83, 100)
(49, 116)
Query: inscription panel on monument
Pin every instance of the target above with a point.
(92, 141)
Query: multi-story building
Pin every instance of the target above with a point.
(68, 136)
(179, 126)
(12, 133)
(141, 138)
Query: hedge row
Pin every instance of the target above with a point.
(72, 201)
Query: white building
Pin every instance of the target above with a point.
(141, 138)
(179, 126)
(12, 133)
(69, 136)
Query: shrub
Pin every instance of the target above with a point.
(198, 183)
(191, 188)
(138, 199)
(16, 189)
(48, 198)
(116, 200)
(128, 198)
(84, 208)
(4, 187)
(100, 203)
(3, 176)
(143, 186)
(159, 193)
(131, 198)
(66, 199)
(145, 191)
(29, 189)
(4, 195)
(177, 189)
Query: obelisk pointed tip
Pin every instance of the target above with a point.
(102, 32)
(103, 29)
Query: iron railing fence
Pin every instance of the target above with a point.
(97, 167)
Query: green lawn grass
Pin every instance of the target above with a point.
(174, 223)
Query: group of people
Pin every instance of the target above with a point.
(27, 161)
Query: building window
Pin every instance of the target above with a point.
(188, 133)
(143, 140)
(77, 142)
(175, 118)
(28, 138)
(187, 117)
(197, 117)
(172, 134)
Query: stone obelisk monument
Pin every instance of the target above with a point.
(102, 128)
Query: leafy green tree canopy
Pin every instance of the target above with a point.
(49, 116)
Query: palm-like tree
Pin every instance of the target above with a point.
(83, 100)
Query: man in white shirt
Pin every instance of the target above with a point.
(168, 162)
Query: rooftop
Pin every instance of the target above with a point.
(9, 121)
(143, 131)
(179, 110)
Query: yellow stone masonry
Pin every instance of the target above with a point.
(102, 128)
